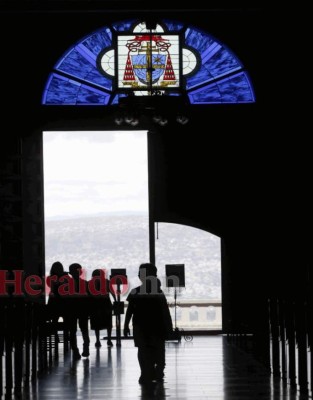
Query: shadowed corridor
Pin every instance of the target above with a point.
(205, 368)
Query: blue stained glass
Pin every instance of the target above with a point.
(198, 40)
(87, 95)
(60, 90)
(202, 76)
(123, 26)
(45, 92)
(207, 94)
(115, 100)
(234, 89)
(218, 80)
(117, 97)
(98, 41)
(210, 51)
(94, 76)
(86, 53)
(77, 65)
(205, 74)
(219, 62)
(173, 25)
(222, 62)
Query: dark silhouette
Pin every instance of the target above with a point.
(101, 306)
(56, 304)
(79, 309)
(152, 324)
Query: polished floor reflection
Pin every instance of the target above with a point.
(206, 368)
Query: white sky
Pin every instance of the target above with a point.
(86, 173)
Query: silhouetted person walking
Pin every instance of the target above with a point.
(79, 309)
(152, 324)
(56, 303)
(101, 306)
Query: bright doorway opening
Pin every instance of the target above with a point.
(97, 214)
(96, 200)
(199, 303)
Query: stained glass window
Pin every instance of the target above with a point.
(148, 61)
(107, 62)
(189, 61)
(128, 58)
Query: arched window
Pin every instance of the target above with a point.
(128, 59)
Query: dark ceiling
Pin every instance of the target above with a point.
(71, 5)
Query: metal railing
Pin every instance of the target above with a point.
(193, 314)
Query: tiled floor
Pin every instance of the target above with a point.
(206, 368)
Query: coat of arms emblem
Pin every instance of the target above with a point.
(149, 62)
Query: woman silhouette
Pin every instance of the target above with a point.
(101, 306)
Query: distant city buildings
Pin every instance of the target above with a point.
(122, 242)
